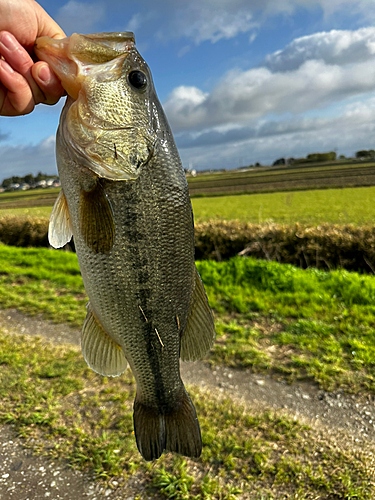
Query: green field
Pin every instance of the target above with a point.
(319, 319)
(321, 326)
(271, 179)
(339, 206)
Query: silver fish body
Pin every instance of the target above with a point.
(125, 200)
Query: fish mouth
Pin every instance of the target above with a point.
(74, 57)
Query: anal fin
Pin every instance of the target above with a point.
(199, 335)
(60, 229)
(100, 352)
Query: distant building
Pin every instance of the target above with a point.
(13, 187)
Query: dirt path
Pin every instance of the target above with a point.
(24, 477)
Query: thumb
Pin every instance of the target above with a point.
(48, 82)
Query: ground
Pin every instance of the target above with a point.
(26, 477)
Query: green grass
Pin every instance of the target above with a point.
(339, 206)
(42, 281)
(30, 211)
(296, 323)
(62, 409)
(274, 318)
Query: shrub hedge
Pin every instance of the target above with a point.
(326, 246)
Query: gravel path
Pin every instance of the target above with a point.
(26, 477)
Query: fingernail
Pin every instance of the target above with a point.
(9, 42)
(5, 66)
(44, 73)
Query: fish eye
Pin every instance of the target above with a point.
(137, 79)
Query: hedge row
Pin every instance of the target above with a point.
(327, 246)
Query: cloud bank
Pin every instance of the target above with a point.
(310, 73)
(22, 160)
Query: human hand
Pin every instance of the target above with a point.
(23, 83)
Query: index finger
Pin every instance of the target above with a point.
(19, 59)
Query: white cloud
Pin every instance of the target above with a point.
(248, 95)
(310, 73)
(214, 25)
(349, 131)
(335, 47)
(214, 20)
(22, 160)
(80, 17)
(186, 104)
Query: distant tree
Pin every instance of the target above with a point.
(322, 156)
(280, 161)
(342, 157)
(366, 155)
(258, 164)
(29, 179)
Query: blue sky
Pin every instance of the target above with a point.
(241, 81)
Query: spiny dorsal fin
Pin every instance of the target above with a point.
(96, 222)
(199, 335)
(60, 229)
(100, 352)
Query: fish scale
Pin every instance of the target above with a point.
(125, 200)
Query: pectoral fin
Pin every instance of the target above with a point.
(96, 222)
(200, 331)
(60, 229)
(100, 352)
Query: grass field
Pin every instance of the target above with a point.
(271, 179)
(321, 325)
(272, 318)
(339, 206)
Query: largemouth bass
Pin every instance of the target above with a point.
(125, 201)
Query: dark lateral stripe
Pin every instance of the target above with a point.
(139, 263)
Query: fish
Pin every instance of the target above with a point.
(125, 201)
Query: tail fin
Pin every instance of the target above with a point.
(177, 430)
